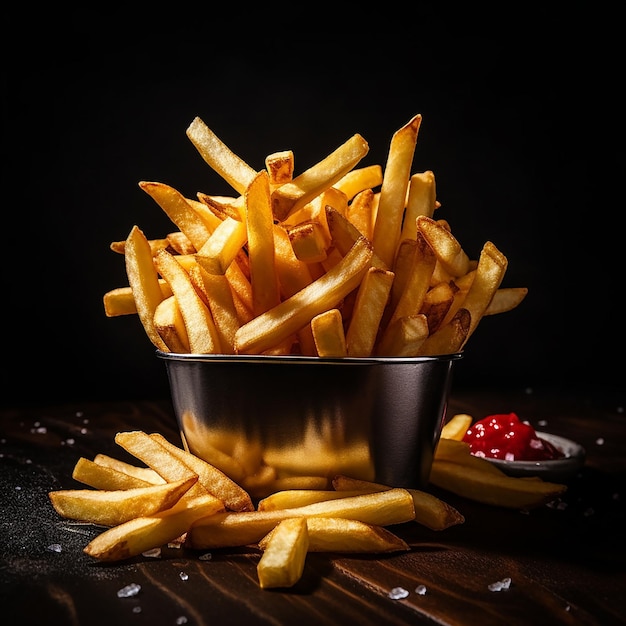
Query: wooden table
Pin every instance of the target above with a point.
(565, 561)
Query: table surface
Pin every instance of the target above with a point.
(565, 562)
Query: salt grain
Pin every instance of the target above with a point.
(501, 585)
(181, 620)
(129, 591)
(183, 576)
(420, 590)
(55, 547)
(136, 609)
(206, 557)
(398, 593)
(600, 441)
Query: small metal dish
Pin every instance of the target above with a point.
(554, 470)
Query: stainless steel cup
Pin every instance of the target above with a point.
(370, 418)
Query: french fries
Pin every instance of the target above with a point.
(176, 496)
(293, 246)
(456, 470)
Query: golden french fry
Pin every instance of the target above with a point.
(303, 188)
(223, 246)
(293, 274)
(103, 477)
(360, 212)
(489, 488)
(421, 200)
(120, 301)
(273, 326)
(158, 457)
(201, 331)
(492, 266)
(458, 451)
(404, 336)
(279, 166)
(220, 207)
(371, 299)
(144, 283)
(456, 427)
(417, 281)
(236, 172)
(328, 334)
(216, 482)
(344, 235)
(449, 338)
(430, 511)
(144, 533)
(282, 562)
(360, 179)
(393, 193)
(179, 210)
(261, 255)
(309, 241)
(169, 323)
(146, 474)
(437, 303)
(218, 295)
(111, 508)
(315, 211)
(505, 299)
(385, 508)
(292, 498)
(405, 256)
(155, 244)
(445, 245)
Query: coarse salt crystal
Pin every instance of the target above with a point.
(501, 585)
(397, 593)
(129, 591)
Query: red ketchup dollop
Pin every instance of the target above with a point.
(506, 437)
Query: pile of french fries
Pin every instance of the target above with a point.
(336, 261)
(173, 496)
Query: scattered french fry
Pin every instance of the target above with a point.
(456, 427)
(284, 554)
(111, 508)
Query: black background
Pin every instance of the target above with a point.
(522, 126)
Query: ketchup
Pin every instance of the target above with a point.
(506, 437)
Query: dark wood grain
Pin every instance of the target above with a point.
(566, 562)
